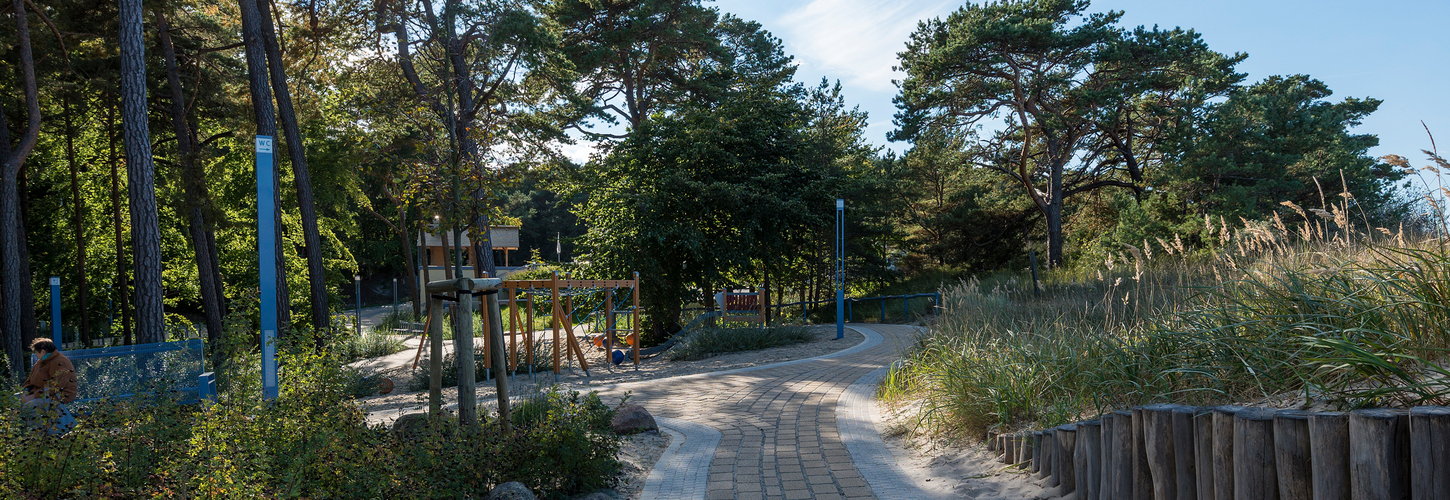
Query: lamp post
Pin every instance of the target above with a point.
(395, 297)
(55, 333)
(357, 292)
(840, 269)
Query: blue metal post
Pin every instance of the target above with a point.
(840, 269)
(55, 334)
(357, 292)
(267, 264)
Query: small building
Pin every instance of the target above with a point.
(504, 238)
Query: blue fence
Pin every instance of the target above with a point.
(175, 369)
(887, 308)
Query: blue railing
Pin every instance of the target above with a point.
(171, 368)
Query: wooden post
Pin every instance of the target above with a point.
(1379, 454)
(485, 329)
(1203, 459)
(529, 332)
(1223, 451)
(1002, 446)
(1255, 474)
(1158, 448)
(435, 356)
(1105, 456)
(991, 440)
(1142, 475)
(1027, 449)
(1329, 450)
(1292, 455)
(554, 319)
(513, 328)
(495, 338)
(1185, 463)
(1122, 452)
(1085, 459)
(1430, 452)
(1063, 456)
(463, 350)
(1049, 456)
(634, 322)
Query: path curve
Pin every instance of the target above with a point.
(778, 432)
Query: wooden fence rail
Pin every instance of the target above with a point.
(1174, 452)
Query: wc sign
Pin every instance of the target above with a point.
(264, 144)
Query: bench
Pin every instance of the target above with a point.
(120, 372)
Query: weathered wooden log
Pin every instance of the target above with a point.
(1292, 455)
(1122, 451)
(1009, 454)
(1203, 448)
(1142, 478)
(1048, 446)
(1185, 462)
(1430, 452)
(1105, 452)
(1255, 477)
(1329, 455)
(1063, 456)
(1158, 447)
(992, 439)
(1036, 452)
(1379, 455)
(1086, 456)
(1223, 451)
(1026, 449)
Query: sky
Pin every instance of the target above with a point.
(1396, 51)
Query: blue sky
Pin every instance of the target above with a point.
(1396, 51)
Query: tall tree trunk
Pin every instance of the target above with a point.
(483, 246)
(1054, 219)
(311, 237)
(195, 189)
(408, 259)
(420, 271)
(122, 284)
(141, 177)
(15, 283)
(266, 118)
(83, 288)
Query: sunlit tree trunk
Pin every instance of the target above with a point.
(83, 287)
(141, 177)
(266, 118)
(15, 291)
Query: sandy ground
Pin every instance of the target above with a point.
(638, 455)
(955, 470)
(384, 409)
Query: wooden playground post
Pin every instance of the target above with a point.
(609, 326)
(554, 319)
(487, 358)
(634, 322)
(513, 329)
(463, 345)
(529, 332)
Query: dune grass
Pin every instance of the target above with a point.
(1320, 313)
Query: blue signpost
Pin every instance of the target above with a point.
(840, 269)
(267, 264)
(55, 334)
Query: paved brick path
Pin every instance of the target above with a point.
(777, 427)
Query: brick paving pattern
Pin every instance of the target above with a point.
(777, 424)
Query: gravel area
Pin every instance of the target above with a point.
(384, 409)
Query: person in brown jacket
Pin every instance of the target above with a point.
(53, 377)
(52, 384)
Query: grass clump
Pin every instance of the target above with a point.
(351, 347)
(708, 342)
(1323, 315)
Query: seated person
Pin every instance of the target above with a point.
(52, 383)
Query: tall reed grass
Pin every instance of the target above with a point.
(1322, 312)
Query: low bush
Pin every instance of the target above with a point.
(708, 342)
(311, 442)
(351, 347)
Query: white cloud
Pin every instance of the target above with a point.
(855, 40)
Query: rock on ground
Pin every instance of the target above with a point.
(632, 418)
(512, 490)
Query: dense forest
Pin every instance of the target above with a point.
(126, 136)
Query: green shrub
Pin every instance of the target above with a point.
(708, 342)
(351, 347)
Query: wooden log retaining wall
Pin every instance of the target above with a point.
(1173, 452)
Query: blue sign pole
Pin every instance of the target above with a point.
(267, 264)
(55, 334)
(840, 269)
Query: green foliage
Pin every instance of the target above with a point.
(1340, 318)
(311, 442)
(352, 347)
(707, 342)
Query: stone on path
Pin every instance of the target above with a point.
(632, 418)
(512, 490)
